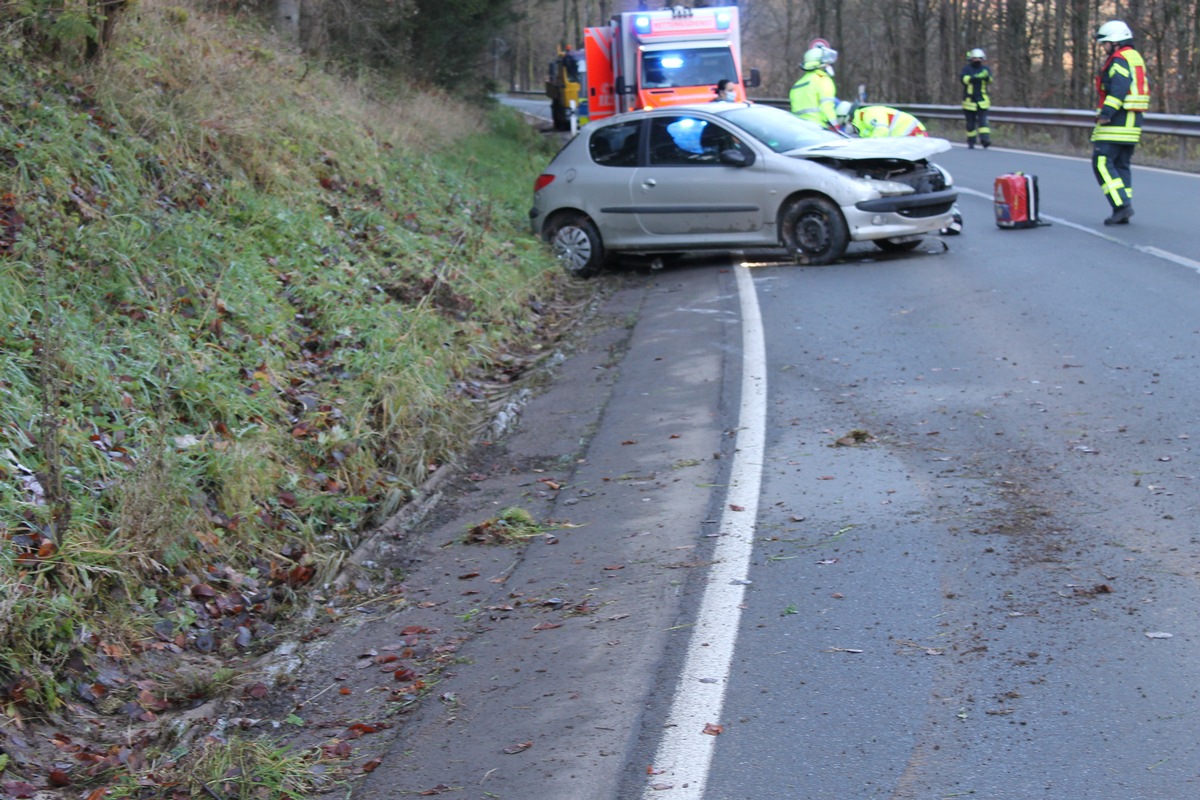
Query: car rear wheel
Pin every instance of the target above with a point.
(897, 245)
(577, 244)
(814, 231)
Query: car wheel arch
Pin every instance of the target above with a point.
(824, 235)
(794, 197)
(576, 241)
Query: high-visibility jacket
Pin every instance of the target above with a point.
(814, 97)
(975, 81)
(1124, 91)
(876, 121)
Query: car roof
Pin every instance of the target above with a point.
(710, 107)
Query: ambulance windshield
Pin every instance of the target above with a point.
(671, 69)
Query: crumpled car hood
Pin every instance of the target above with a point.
(912, 148)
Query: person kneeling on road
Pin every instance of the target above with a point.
(870, 122)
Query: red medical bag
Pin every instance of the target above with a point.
(1017, 201)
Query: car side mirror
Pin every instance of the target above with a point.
(755, 79)
(736, 158)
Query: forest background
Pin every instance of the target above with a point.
(1042, 52)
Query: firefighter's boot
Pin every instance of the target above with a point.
(1120, 215)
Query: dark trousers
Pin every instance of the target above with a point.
(977, 125)
(1111, 164)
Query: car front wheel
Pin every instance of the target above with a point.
(814, 231)
(577, 245)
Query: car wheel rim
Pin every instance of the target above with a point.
(812, 233)
(573, 246)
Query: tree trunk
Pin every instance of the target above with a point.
(287, 21)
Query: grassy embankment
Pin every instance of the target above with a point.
(245, 307)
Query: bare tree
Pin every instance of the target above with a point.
(1042, 53)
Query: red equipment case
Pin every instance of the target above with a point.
(1017, 201)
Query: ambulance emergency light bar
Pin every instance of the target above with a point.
(645, 25)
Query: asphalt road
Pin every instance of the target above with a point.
(973, 599)
(969, 595)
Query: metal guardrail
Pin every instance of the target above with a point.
(1164, 124)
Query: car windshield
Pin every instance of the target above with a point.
(686, 67)
(778, 129)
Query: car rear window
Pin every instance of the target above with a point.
(615, 145)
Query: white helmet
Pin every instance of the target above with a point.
(844, 109)
(976, 53)
(1114, 31)
(818, 56)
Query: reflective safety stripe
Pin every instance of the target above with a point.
(1138, 98)
(1111, 184)
(1130, 131)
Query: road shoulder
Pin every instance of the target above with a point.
(522, 671)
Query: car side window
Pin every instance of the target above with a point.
(615, 145)
(688, 141)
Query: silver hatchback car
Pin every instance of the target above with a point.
(723, 176)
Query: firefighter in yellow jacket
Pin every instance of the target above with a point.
(871, 122)
(814, 95)
(1124, 92)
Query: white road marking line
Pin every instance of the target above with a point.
(1087, 159)
(1149, 250)
(685, 751)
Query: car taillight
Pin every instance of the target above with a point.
(542, 181)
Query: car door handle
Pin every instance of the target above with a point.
(649, 183)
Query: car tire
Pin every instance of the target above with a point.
(577, 245)
(814, 231)
(897, 245)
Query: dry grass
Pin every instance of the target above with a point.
(263, 111)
